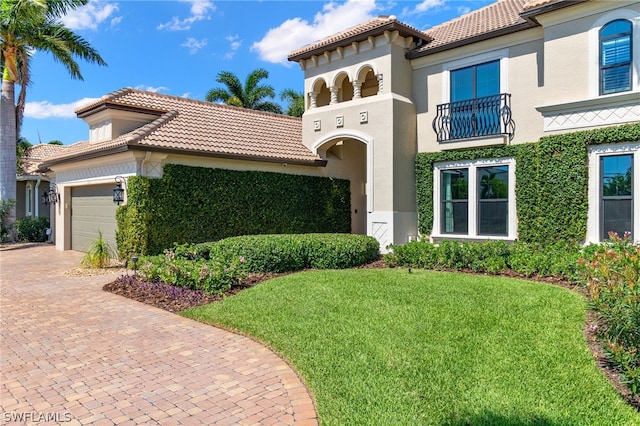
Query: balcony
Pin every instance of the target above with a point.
(474, 118)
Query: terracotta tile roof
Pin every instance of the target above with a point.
(372, 27)
(198, 127)
(534, 4)
(37, 153)
(494, 19)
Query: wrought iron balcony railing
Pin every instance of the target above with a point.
(487, 116)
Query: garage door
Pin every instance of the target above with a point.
(92, 210)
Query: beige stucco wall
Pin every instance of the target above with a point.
(521, 56)
(384, 124)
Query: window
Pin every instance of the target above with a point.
(475, 199)
(493, 200)
(455, 203)
(29, 200)
(615, 57)
(476, 81)
(616, 201)
(476, 104)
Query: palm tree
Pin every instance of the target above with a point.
(27, 26)
(295, 100)
(252, 95)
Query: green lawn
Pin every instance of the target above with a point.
(388, 347)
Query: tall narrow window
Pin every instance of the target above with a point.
(475, 100)
(617, 194)
(615, 57)
(455, 202)
(493, 200)
(29, 200)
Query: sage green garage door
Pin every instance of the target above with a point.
(92, 210)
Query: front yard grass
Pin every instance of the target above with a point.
(388, 347)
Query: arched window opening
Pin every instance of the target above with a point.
(345, 92)
(370, 84)
(615, 57)
(323, 96)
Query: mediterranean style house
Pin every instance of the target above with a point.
(377, 95)
(506, 74)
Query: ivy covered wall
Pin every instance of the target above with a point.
(197, 204)
(551, 181)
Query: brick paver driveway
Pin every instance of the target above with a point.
(73, 354)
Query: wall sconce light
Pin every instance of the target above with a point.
(51, 196)
(118, 191)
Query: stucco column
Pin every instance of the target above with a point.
(379, 83)
(313, 98)
(334, 95)
(356, 90)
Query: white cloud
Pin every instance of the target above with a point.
(234, 44)
(463, 10)
(424, 6)
(200, 7)
(91, 15)
(296, 32)
(46, 109)
(199, 10)
(151, 88)
(194, 45)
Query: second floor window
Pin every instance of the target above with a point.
(615, 57)
(475, 100)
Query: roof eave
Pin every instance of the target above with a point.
(413, 54)
(530, 15)
(245, 157)
(392, 26)
(46, 165)
(93, 109)
(133, 146)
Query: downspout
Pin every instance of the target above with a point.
(37, 198)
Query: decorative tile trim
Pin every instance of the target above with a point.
(592, 116)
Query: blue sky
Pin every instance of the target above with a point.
(178, 47)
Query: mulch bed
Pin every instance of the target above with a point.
(175, 299)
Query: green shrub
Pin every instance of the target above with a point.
(213, 276)
(5, 207)
(292, 252)
(32, 229)
(612, 276)
(494, 257)
(99, 254)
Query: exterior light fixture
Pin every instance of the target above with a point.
(118, 190)
(50, 196)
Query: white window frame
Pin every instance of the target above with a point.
(447, 67)
(28, 206)
(473, 165)
(595, 192)
(594, 51)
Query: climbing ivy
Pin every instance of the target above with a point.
(551, 181)
(198, 204)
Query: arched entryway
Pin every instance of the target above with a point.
(348, 156)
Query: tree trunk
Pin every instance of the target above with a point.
(8, 140)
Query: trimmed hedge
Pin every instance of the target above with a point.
(494, 257)
(196, 204)
(551, 182)
(289, 252)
